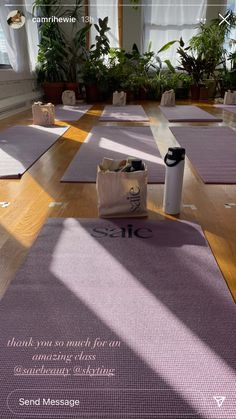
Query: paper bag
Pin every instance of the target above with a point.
(119, 99)
(168, 98)
(68, 97)
(43, 114)
(121, 194)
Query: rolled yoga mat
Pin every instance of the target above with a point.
(71, 113)
(187, 113)
(115, 143)
(124, 113)
(21, 146)
(211, 150)
(129, 317)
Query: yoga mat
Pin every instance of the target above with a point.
(71, 113)
(132, 318)
(124, 113)
(212, 151)
(230, 108)
(115, 143)
(187, 113)
(21, 146)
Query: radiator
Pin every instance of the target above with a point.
(15, 104)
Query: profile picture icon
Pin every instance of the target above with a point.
(16, 19)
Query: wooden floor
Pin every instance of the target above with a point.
(30, 197)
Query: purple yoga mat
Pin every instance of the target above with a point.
(71, 113)
(187, 113)
(115, 143)
(212, 151)
(124, 113)
(230, 108)
(21, 146)
(130, 317)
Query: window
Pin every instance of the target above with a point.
(166, 21)
(4, 60)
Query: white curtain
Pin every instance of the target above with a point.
(100, 9)
(231, 5)
(164, 21)
(32, 34)
(22, 43)
(16, 42)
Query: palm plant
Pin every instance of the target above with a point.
(209, 43)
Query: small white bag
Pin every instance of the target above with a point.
(119, 99)
(43, 114)
(230, 98)
(121, 194)
(168, 98)
(68, 97)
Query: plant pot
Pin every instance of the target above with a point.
(204, 94)
(53, 91)
(75, 87)
(143, 93)
(195, 92)
(211, 84)
(182, 93)
(129, 95)
(92, 93)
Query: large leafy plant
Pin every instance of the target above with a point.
(94, 69)
(57, 57)
(209, 43)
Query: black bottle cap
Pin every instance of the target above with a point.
(176, 153)
(136, 164)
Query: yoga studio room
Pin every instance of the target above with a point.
(118, 209)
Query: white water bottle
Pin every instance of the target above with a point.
(174, 160)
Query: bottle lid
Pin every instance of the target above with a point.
(176, 153)
(136, 164)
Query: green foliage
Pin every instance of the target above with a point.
(194, 66)
(74, 53)
(94, 69)
(167, 46)
(51, 67)
(170, 66)
(209, 42)
(57, 58)
(134, 3)
(102, 45)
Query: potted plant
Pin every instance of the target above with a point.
(195, 66)
(52, 67)
(94, 69)
(51, 70)
(209, 43)
(184, 81)
(74, 52)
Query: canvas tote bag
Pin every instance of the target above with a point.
(230, 98)
(122, 194)
(68, 98)
(43, 114)
(168, 98)
(119, 99)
